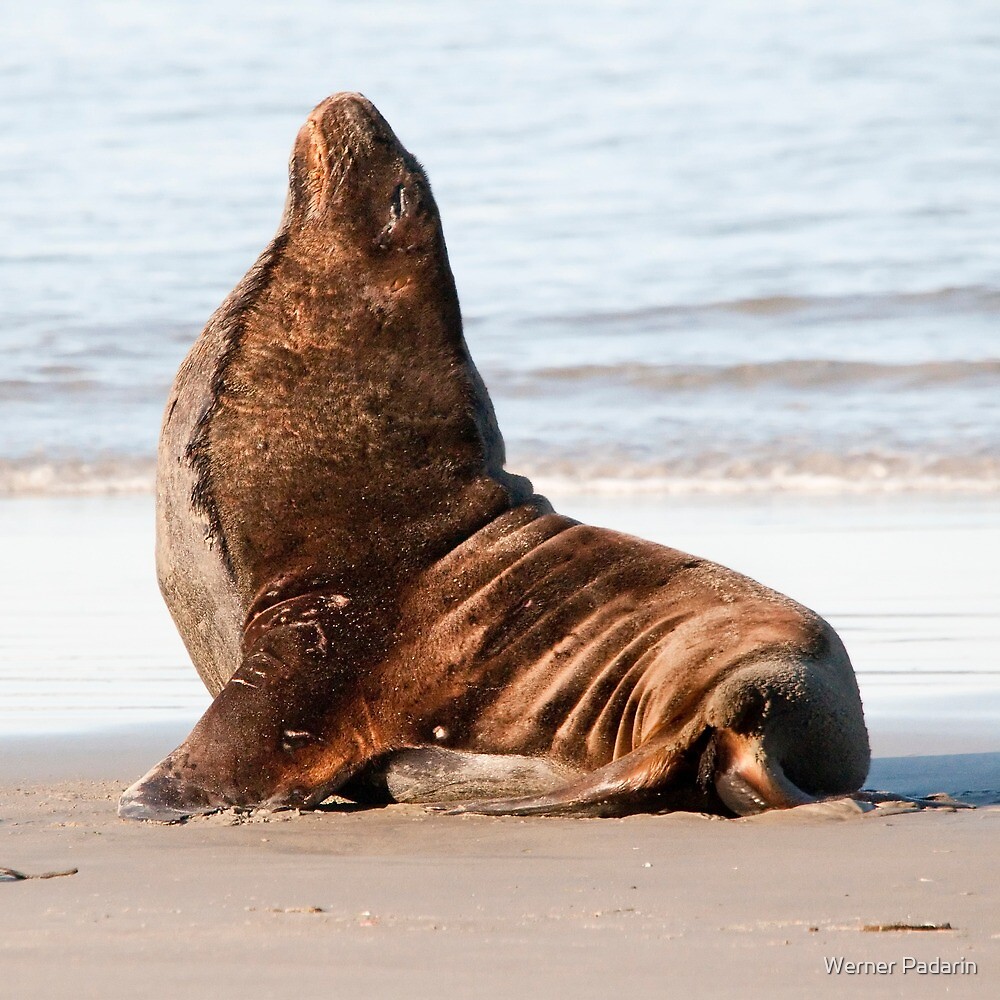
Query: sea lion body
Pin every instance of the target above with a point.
(369, 595)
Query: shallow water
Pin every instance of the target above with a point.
(86, 642)
(700, 246)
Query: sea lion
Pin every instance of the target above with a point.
(381, 611)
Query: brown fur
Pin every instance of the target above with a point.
(355, 574)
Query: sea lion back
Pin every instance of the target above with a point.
(193, 569)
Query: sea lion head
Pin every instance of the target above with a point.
(351, 181)
(363, 224)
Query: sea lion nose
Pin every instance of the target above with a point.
(342, 109)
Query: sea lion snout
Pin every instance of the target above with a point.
(347, 107)
(345, 125)
(346, 155)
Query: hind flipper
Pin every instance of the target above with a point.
(435, 774)
(628, 784)
(657, 776)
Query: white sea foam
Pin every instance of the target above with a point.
(817, 473)
(74, 477)
(779, 482)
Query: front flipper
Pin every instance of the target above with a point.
(289, 727)
(166, 794)
(435, 774)
(748, 779)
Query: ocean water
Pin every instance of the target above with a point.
(703, 246)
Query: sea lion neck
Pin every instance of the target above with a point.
(346, 396)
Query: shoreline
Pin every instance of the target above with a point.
(121, 754)
(907, 584)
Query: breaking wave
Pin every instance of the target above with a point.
(816, 473)
(604, 472)
(75, 477)
(807, 373)
(981, 300)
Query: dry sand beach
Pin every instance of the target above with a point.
(393, 902)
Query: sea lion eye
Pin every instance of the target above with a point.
(398, 206)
